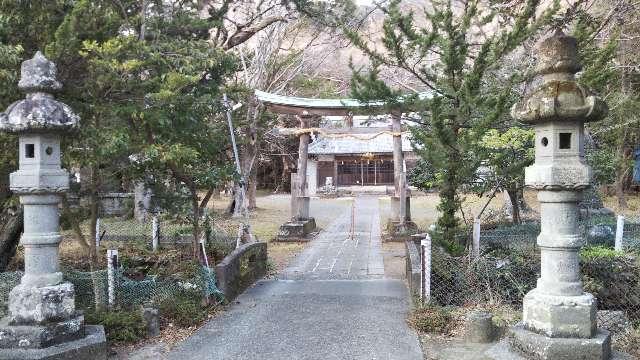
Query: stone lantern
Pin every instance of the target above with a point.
(559, 318)
(43, 321)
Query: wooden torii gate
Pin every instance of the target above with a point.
(305, 109)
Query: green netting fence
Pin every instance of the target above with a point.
(91, 288)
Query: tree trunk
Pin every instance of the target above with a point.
(239, 201)
(448, 223)
(285, 176)
(75, 225)
(621, 174)
(11, 226)
(195, 244)
(515, 205)
(251, 191)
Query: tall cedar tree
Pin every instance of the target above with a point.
(606, 42)
(451, 51)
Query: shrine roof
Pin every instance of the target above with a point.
(358, 144)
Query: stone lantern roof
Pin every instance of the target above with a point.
(39, 111)
(559, 97)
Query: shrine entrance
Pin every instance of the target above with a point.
(350, 155)
(362, 170)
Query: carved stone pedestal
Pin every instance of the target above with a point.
(40, 335)
(536, 346)
(41, 304)
(92, 345)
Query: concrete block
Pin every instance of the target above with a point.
(92, 346)
(413, 267)
(296, 230)
(503, 351)
(241, 269)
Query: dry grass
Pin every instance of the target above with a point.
(424, 207)
(633, 200)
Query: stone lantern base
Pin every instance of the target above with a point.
(560, 316)
(41, 304)
(43, 324)
(536, 346)
(93, 345)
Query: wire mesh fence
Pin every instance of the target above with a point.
(92, 288)
(596, 230)
(509, 265)
(168, 232)
(131, 230)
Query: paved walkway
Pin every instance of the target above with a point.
(333, 302)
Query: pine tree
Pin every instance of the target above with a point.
(146, 78)
(608, 50)
(452, 52)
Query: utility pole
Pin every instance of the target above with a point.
(245, 230)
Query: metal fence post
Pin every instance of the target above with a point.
(619, 233)
(112, 264)
(475, 246)
(97, 232)
(425, 288)
(155, 234)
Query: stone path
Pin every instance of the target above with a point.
(350, 248)
(333, 302)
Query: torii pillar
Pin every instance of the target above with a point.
(400, 201)
(301, 223)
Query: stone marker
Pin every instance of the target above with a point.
(559, 318)
(152, 321)
(479, 327)
(42, 309)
